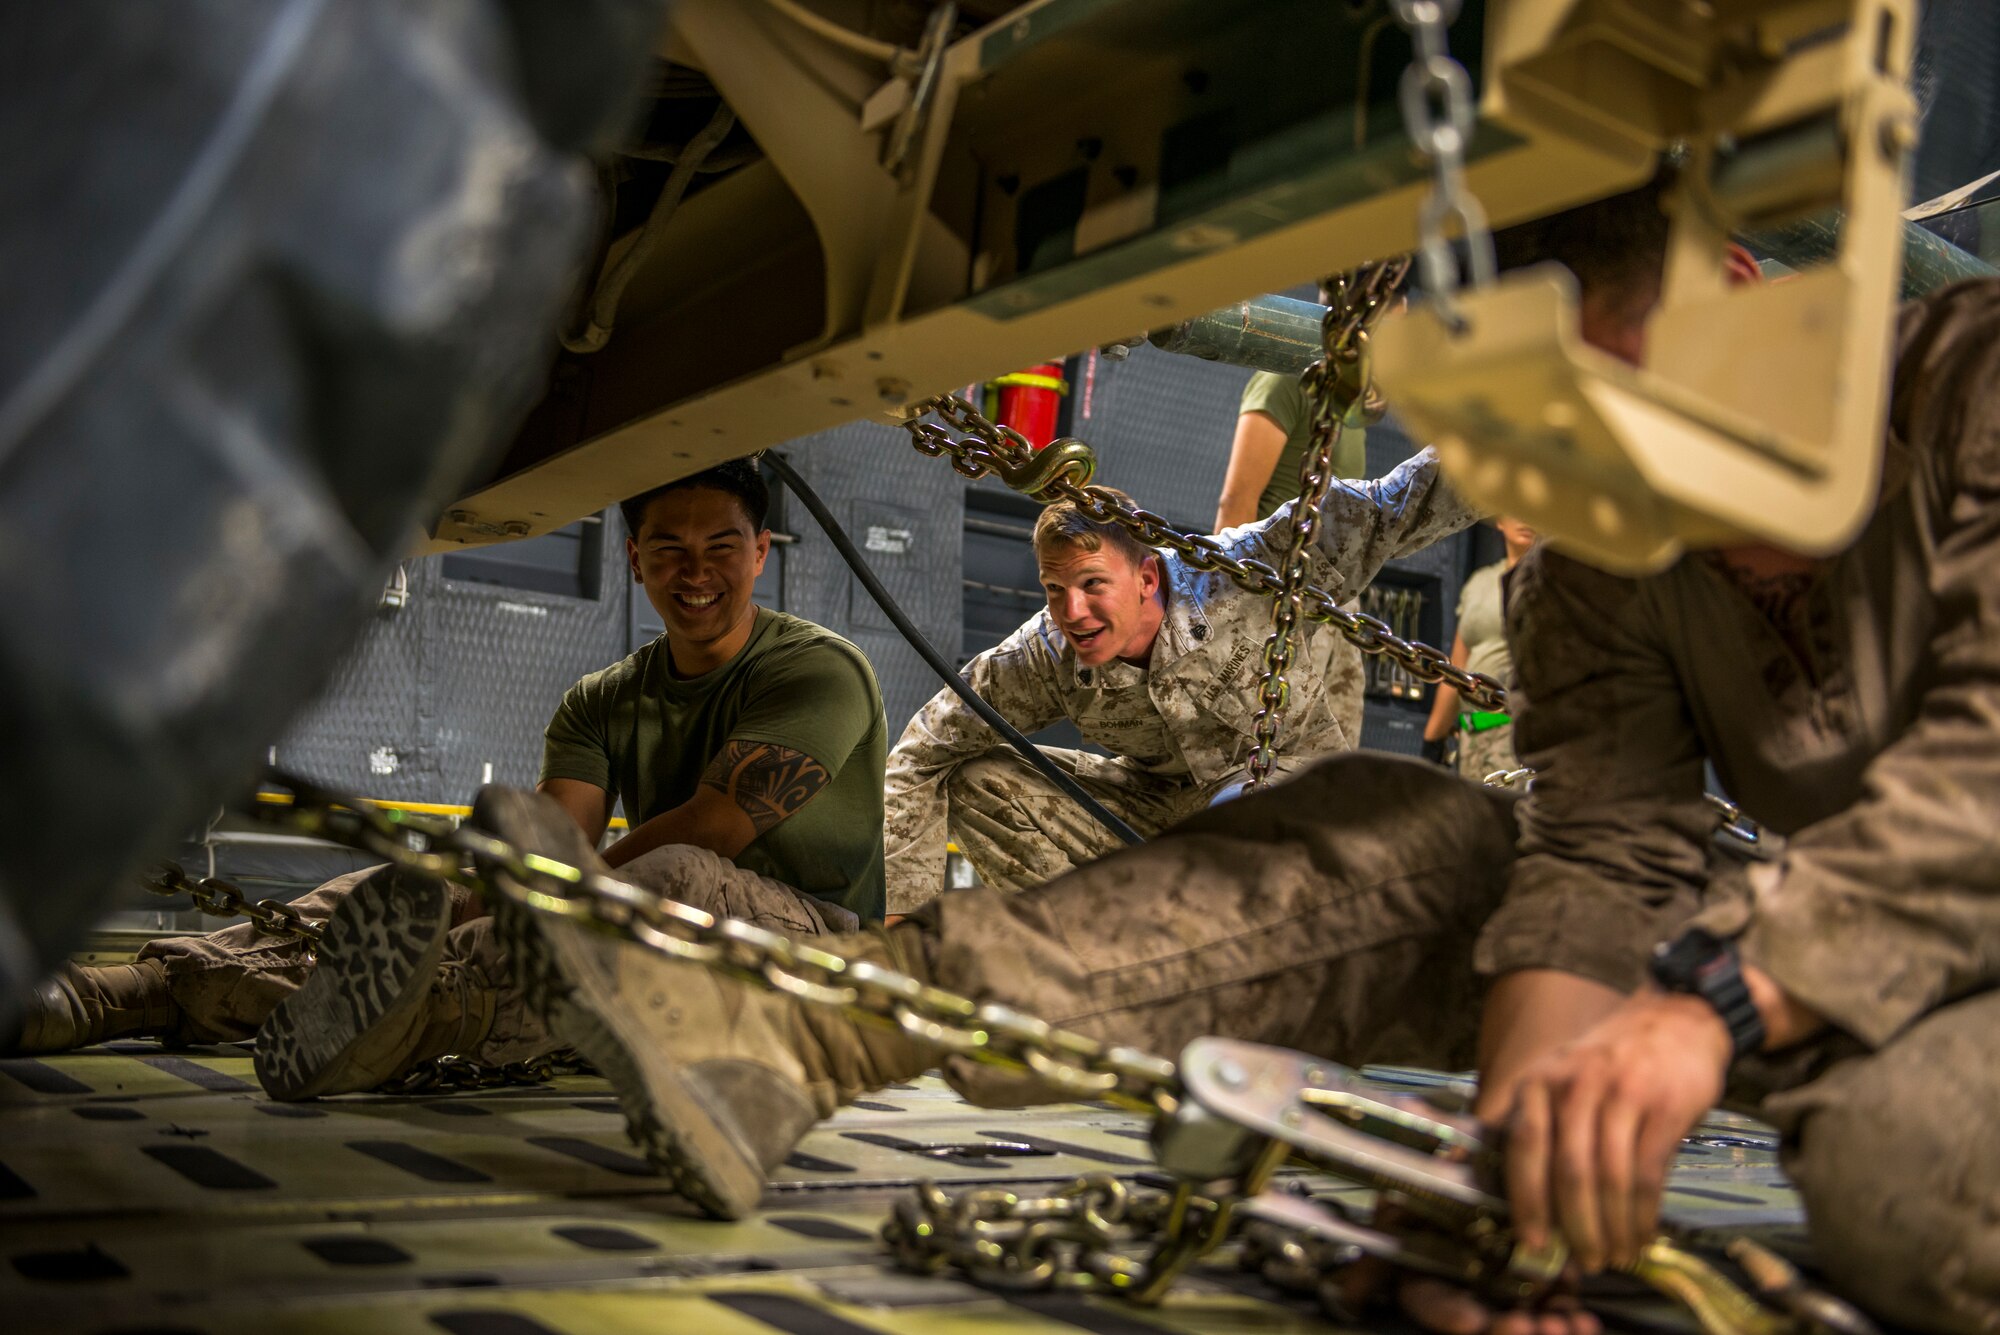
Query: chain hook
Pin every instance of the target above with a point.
(1043, 474)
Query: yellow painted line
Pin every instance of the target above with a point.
(419, 808)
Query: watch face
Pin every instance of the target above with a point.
(1676, 963)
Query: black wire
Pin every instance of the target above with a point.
(994, 720)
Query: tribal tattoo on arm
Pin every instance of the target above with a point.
(767, 783)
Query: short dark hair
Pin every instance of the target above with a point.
(1614, 246)
(739, 477)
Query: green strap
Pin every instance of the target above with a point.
(1481, 721)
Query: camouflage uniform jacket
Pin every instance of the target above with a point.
(1187, 715)
(1869, 736)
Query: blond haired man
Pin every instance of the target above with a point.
(1153, 661)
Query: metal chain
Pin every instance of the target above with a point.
(991, 450)
(1093, 1234)
(1335, 385)
(1068, 1063)
(454, 1074)
(1436, 94)
(221, 899)
(1084, 1236)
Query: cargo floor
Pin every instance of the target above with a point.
(147, 1190)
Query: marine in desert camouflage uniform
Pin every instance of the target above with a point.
(1154, 661)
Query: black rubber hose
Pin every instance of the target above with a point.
(859, 565)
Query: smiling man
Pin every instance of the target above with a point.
(1152, 660)
(755, 735)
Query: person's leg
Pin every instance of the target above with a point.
(1897, 1154)
(1019, 830)
(1335, 913)
(226, 984)
(216, 988)
(399, 984)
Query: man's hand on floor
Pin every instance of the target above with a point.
(1593, 1126)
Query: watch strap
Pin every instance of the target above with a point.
(1710, 968)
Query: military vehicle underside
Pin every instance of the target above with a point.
(144, 1189)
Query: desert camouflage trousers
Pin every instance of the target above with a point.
(1337, 914)
(1018, 829)
(227, 983)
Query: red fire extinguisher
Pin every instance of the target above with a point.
(1030, 400)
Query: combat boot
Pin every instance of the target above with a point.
(718, 1080)
(80, 1004)
(381, 998)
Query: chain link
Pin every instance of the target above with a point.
(1436, 94)
(990, 450)
(221, 899)
(1336, 385)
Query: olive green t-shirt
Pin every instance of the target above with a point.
(1482, 623)
(645, 735)
(1282, 399)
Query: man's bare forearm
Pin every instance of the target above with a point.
(748, 789)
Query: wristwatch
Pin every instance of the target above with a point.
(1702, 964)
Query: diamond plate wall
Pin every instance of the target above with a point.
(463, 676)
(906, 513)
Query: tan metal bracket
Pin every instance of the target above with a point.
(1758, 415)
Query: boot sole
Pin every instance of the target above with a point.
(664, 1115)
(375, 964)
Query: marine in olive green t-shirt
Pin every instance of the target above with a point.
(638, 731)
(1282, 399)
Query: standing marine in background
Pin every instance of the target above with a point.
(1485, 738)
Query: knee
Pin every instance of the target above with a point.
(1899, 1174)
(986, 781)
(681, 872)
